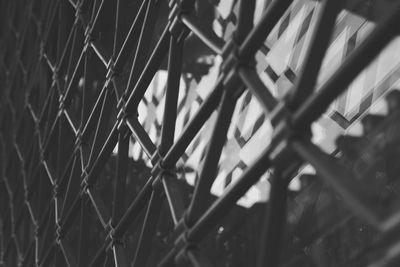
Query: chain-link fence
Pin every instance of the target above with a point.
(73, 75)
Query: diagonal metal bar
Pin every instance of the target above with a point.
(99, 206)
(148, 72)
(68, 253)
(257, 87)
(133, 210)
(143, 43)
(103, 156)
(141, 136)
(305, 84)
(120, 258)
(121, 172)
(316, 104)
(148, 230)
(223, 204)
(267, 22)
(174, 196)
(83, 235)
(339, 179)
(195, 124)
(209, 169)
(101, 132)
(130, 40)
(205, 34)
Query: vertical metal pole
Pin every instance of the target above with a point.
(274, 222)
(171, 97)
